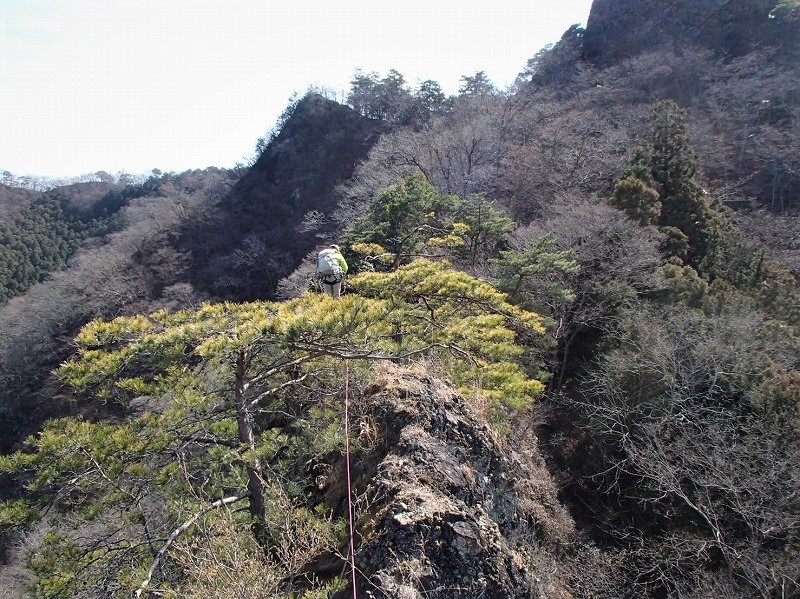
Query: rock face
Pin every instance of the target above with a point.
(448, 510)
(619, 29)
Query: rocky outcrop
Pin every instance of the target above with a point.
(448, 509)
(618, 29)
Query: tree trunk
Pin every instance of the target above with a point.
(255, 479)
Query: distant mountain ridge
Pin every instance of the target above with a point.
(637, 474)
(257, 234)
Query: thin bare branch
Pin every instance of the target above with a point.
(180, 530)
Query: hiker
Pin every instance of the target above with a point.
(331, 269)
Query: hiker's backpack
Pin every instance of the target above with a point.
(328, 265)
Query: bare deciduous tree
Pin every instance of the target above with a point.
(616, 259)
(686, 428)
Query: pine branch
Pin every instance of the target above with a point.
(281, 387)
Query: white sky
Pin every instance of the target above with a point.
(132, 85)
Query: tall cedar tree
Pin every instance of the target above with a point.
(660, 187)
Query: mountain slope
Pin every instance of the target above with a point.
(671, 417)
(618, 29)
(279, 211)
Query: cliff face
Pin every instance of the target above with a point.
(619, 29)
(448, 510)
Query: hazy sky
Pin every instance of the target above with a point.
(132, 85)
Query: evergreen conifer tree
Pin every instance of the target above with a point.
(659, 188)
(216, 406)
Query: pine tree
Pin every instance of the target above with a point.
(411, 219)
(401, 220)
(217, 406)
(532, 276)
(484, 229)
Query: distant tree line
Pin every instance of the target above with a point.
(37, 183)
(391, 99)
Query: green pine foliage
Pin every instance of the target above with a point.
(401, 220)
(201, 394)
(469, 323)
(533, 277)
(411, 219)
(482, 228)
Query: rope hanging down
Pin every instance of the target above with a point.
(347, 462)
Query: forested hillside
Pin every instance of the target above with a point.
(112, 239)
(565, 363)
(275, 214)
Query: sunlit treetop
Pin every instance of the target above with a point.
(424, 308)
